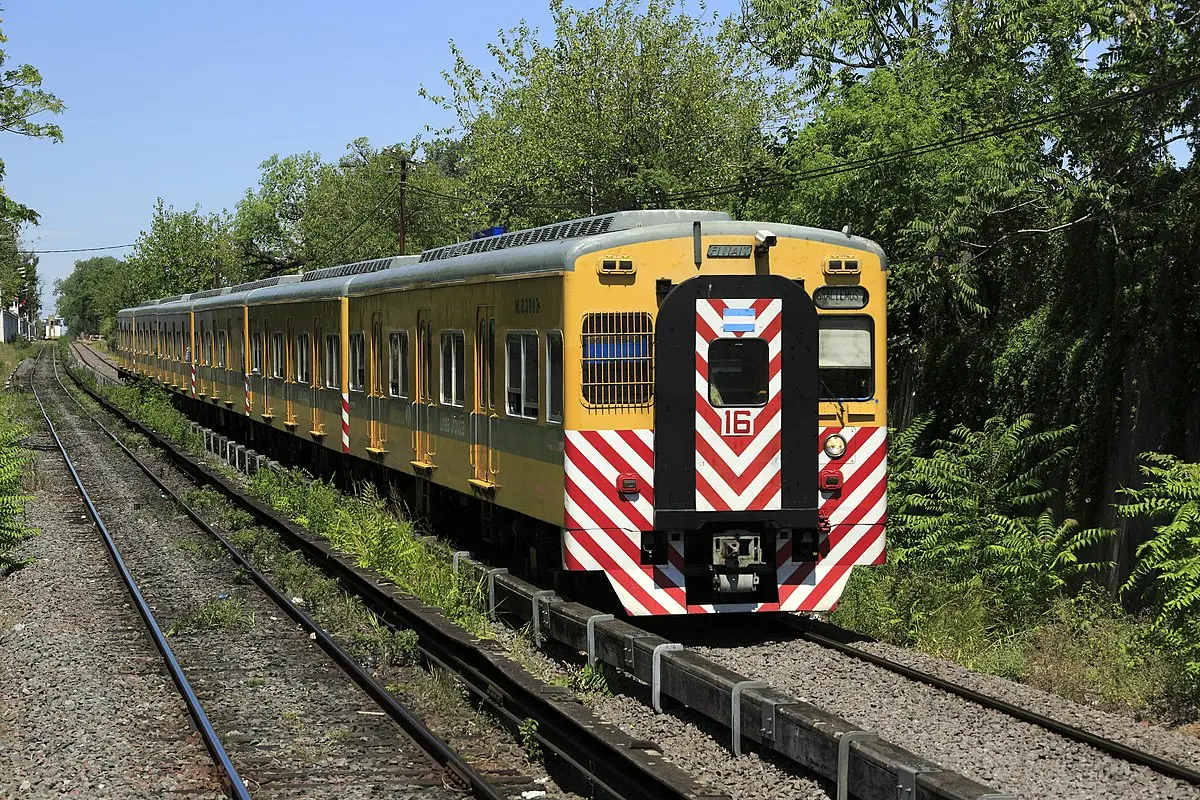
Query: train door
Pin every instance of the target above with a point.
(318, 377)
(376, 381)
(423, 451)
(288, 383)
(483, 415)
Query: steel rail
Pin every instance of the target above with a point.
(1101, 743)
(429, 741)
(623, 768)
(235, 787)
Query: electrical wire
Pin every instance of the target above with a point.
(365, 217)
(81, 249)
(925, 149)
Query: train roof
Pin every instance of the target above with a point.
(548, 249)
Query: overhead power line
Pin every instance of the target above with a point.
(925, 149)
(82, 249)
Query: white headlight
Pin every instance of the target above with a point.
(834, 445)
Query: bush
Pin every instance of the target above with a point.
(1167, 575)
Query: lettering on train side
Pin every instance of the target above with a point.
(452, 426)
(528, 305)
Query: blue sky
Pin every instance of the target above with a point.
(184, 100)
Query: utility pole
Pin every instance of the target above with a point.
(403, 191)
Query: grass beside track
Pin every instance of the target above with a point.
(17, 478)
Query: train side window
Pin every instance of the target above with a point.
(398, 364)
(845, 355)
(303, 359)
(208, 348)
(554, 376)
(522, 385)
(256, 354)
(222, 349)
(358, 362)
(618, 359)
(333, 361)
(278, 356)
(454, 377)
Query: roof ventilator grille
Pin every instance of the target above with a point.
(252, 285)
(549, 233)
(341, 271)
(208, 293)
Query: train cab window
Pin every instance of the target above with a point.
(303, 359)
(521, 397)
(845, 357)
(454, 373)
(398, 364)
(737, 372)
(278, 356)
(222, 349)
(554, 376)
(358, 362)
(333, 361)
(256, 354)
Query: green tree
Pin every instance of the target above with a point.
(89, 298)
(183, 251)
(22, 98)
(627, 104)
(308, 214)
(19, 282)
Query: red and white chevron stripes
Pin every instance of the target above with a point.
(345, 422)
(193, 379)
(246, 383)
(738, 448)
(603, 527)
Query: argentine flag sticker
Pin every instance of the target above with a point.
(738, 320)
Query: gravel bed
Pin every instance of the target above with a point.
(66, 727)
(988, 746)
(293, 723)
(690, 741)
(1159, 740)
(439, 701)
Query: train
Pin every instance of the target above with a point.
(681, 409)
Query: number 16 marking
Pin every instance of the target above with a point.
(737, 422)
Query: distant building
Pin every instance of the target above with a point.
(10, 326)
(55, 327)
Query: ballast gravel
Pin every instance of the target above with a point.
(989, 746)
(66, 727)
(688, 740)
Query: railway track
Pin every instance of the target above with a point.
(1105, 768)
(837, 639)
(606, 759)
(275, 702)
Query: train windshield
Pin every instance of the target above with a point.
(737, 372)
(845, 358)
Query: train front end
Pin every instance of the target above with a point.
(729, 451)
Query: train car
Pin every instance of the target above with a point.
(691, 407)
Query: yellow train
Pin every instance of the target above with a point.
(691, 406)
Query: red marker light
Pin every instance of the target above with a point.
(627, 483)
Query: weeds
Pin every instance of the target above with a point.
(368, 527)
(527, 730)
(222, 613)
